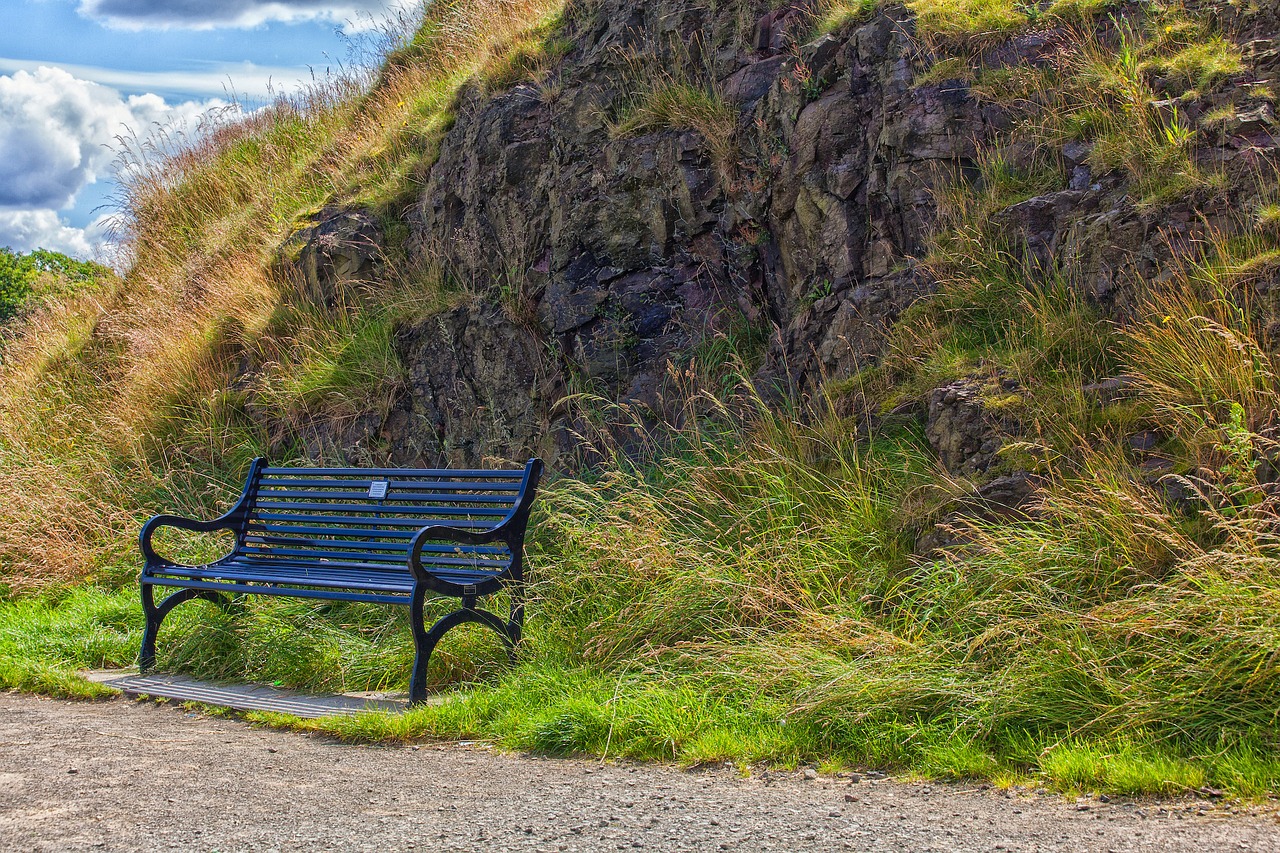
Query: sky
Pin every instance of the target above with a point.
(77, 76)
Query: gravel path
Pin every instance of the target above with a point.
(124, 775)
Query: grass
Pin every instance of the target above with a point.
(529, 58)
(44, 641)
(966, 24)
(768, 610)
(665, 100)
(837, 14)
(740, 584)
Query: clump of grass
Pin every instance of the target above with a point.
(670, 102)
(1081, 11)
(1268, 219)
(950, 68)
(965, 24)
(1129, 133)
(1199, 361)
(835, 15)
(1123, 768)
(529, 58)
(337, 369)
(1100, 88)
(1189, 55)
(996, 312)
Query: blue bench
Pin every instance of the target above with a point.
(382, 535)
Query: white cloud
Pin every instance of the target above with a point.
(24, 230)
(208, 14)
(209, 79)
(59, 134)
(52, 131)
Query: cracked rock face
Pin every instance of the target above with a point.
(475, 392)
(963, 430)
(598, 259)
(630, 250)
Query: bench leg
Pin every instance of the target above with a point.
(155, 614)
(515, 625)
(425, 641)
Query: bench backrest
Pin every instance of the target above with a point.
(368, 516)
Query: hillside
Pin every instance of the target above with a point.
(908, 371)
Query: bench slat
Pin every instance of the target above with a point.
(362, 532)
(360, 557)
(281, 575)
(459, 486)
(259, 540)
(287, 585)
(298, 571)
(415, 523)
(374, 577)
(421, 501)
(334, 562)
(501, 500)
(419, 485)
(291, 591)
(392, 473)
(395, 549)
(368, 508)
(364, 501)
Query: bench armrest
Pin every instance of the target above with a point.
(505, 532)
(234, 519)
(231, 521)
(510, 532)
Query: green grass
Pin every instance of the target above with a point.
(666, 102)
(1082, 11)
(837, 14)
(529, 58)
(961, 24)
(44, 641)
(338, 368)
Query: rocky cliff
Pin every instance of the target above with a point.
(597, 255)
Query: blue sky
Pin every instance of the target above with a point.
(77, 74)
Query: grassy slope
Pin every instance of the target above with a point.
(746, 592)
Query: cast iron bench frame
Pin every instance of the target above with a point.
(383, 535)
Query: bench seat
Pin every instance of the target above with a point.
(389, 536)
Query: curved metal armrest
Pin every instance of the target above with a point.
(464, 535)
(226, 522)
(443, 532)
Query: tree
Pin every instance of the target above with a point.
(42, 273)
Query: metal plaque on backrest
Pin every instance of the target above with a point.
(378, 489)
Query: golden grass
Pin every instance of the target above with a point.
(103, 399)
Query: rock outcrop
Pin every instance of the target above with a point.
(598, 257)
(622, 252)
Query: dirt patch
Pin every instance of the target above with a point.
(125, 775)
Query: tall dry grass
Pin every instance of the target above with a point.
(114, 405)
